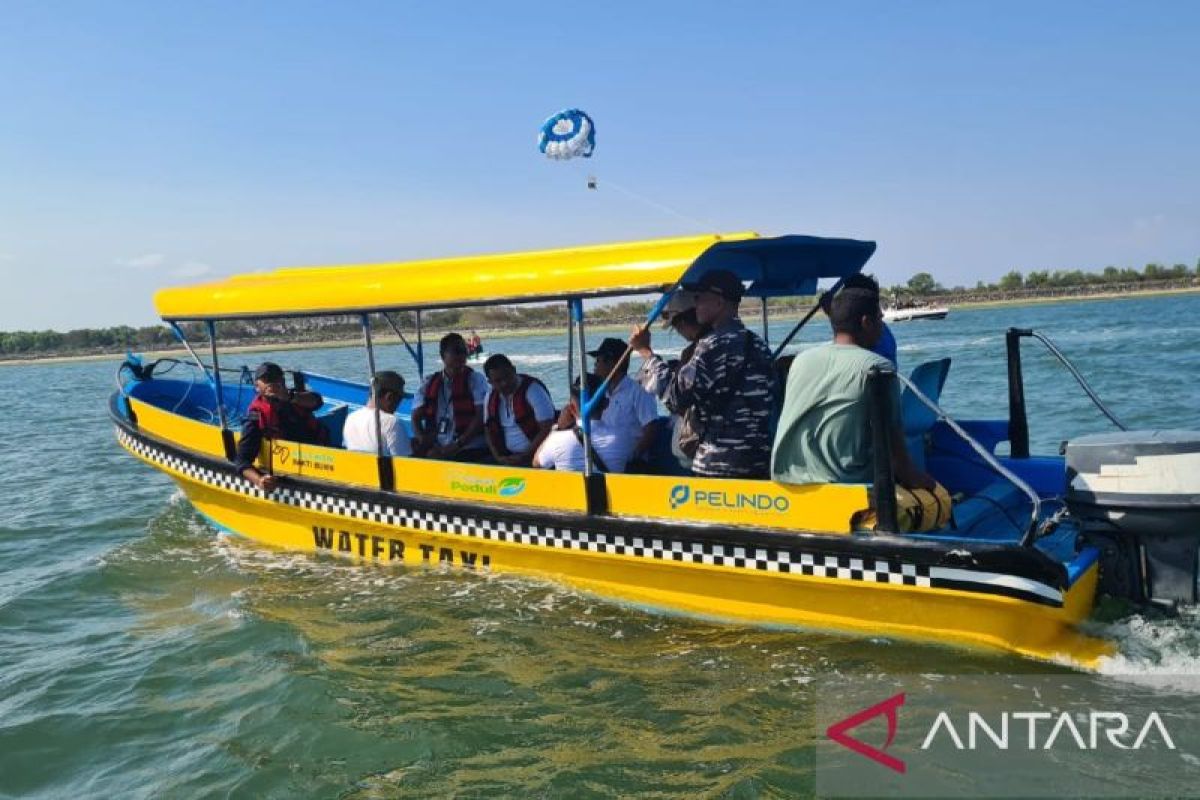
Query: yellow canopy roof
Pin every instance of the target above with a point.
(782, 265)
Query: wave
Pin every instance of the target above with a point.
(1157, 651)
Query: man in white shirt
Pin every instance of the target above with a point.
(563, 448)
(517, 413)
(359, 431)
(632, 411)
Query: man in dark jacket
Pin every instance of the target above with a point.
(275, 413)
(729, 382)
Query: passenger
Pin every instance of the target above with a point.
(447, 412)
(729, 382)
(517, 415)
(563, 448)
(679, 315)
(474, 345)
(276, 413)
(632, 412)
(886, 346)
(359, 430)
(824, 431)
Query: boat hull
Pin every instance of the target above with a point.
(821, 584)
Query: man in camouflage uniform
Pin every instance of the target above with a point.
(729, 382)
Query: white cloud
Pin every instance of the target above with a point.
(146, 261)
(191, 269)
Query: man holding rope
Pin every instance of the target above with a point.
(729, 383)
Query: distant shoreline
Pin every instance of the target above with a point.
(1071, 298)
(751, 311)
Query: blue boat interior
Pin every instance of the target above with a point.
(988, 508)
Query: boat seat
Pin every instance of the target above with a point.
(918, 420)
(997, 513)
(660, 460)
(333, 421)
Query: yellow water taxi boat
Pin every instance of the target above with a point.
(748, 550)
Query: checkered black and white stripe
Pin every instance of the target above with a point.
(221, 480)
(891, 571)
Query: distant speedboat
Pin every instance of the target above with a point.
(915, 312)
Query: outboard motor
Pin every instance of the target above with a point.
(1137, 497)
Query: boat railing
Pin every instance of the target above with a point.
(151, 370)
(160, 368)
(1018, 423)
(885, 488)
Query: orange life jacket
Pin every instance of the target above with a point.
(462, 403)
(523, 414)
(285, 420)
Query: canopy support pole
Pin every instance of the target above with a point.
(594, 483)
(187, 345)
(804, 320)
(387, 481)
(570, 345)
(420, 348)
(766, 334)
(412, 352)
(226, 434)
(585, 402)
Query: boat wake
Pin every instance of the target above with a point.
(1155, 649)
(533, 359)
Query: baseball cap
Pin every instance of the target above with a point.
(269, 372)
(718, 281)
(610, 348)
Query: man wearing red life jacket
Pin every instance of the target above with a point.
(275, 413)
(517, 414)
(447, 412)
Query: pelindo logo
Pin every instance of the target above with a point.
(738, 501)
(679, 495)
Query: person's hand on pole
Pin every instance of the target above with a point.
(639, 341)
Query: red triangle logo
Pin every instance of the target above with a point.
(838, 732)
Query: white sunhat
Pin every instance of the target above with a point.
(680, 301)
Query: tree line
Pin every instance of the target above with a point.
(88, 341)
(923, 283)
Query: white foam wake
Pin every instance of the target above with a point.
(1155, 650)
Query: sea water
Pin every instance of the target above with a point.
(142, 654)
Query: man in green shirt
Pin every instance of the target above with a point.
(824, 433)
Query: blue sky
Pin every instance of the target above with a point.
(147, 144)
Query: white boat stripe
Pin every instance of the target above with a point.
(996, 579)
